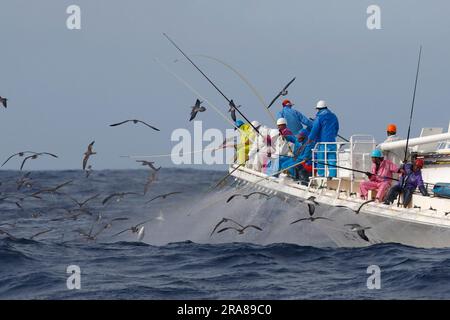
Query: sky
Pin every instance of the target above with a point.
(66, 86)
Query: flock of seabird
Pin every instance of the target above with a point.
(98, 226)
(28, 188)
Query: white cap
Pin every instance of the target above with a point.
(281, 121)
(256, 124)
(321, 104)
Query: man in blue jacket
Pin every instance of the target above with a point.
(325, 128)
(295, 119)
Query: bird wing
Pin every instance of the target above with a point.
(311, 209)
(40, 233)
(302, 219)
(252, 226)
(258, 192)
(109, 198)
(115, 235)
(119, 123)
(10, 157)
(144, 222)
(362, 235)
(89, 199)
(193, 114)
(24, 160)
(197, 103)
(235, 222)
(154, 198)
(363, 204)
(233, 196)
(145, 123)
(49, 154)
(85, 160)
(227, 228)
(324, 218)
(217, 225)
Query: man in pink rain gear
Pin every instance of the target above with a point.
(380, 177)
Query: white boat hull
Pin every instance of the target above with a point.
(418, 227)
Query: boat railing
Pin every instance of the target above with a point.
(337, 160)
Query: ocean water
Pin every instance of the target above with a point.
(178, 257)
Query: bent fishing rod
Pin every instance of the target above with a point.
(405, 159)
(230, 102)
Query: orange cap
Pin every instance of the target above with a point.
(391, 128)
(287, 102)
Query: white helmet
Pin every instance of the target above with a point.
(321, 104)
(256, 124)
(281, 121)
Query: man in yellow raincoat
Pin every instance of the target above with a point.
(246, 135)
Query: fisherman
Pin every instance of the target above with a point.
(246, 132)
(380, 178)
(325, 128)
(283, 148)
(393, 155)
(258, 147)
(410, 180)
(294, 118)
(302, 156)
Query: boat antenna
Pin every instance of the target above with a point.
(412, 106)
(231, 103)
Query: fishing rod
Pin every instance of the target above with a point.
(405, 159)
(230, 102)
(412, 106)
(283, 92)
(354, 170)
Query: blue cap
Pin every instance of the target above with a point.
(239, 123)
(376, 154)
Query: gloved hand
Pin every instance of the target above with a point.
(424, 191)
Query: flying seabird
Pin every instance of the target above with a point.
(88, 153)
(223, 221)
(246, 196)
(163, 196)
(138, 228)
(359, 230)
(232, 110)
(118, 195)
(197, 108)
(148, 163)
(135, 121)
(359, 208)
(312, 219)
(312, 203)
(240, 230)
(51, 190)
(35, 156)
(20, 154)
(4, 102)
(82, 203)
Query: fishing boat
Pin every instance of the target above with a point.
(424, 223)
